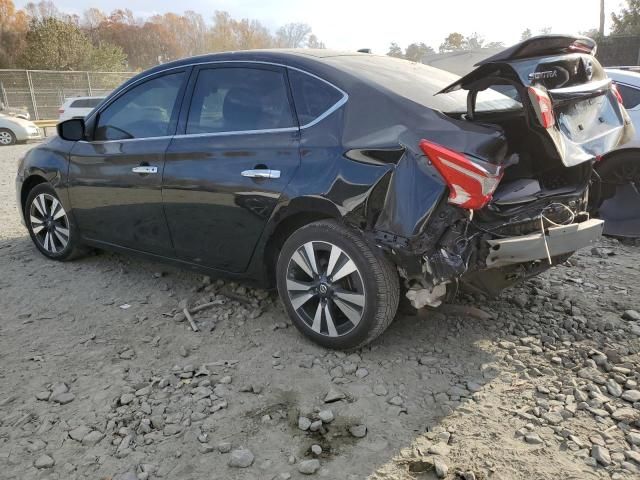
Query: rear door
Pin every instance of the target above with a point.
(566, 94)
(224, 173)
(115, 177)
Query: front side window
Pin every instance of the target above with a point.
(311, 96)
(235, 99)
(144, 111)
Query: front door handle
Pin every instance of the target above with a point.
(261, 173)
(145, 169)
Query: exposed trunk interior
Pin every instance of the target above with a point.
(535, 172)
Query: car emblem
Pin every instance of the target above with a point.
(588, 69)
(543, 75)
(323, 288)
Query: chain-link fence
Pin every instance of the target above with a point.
(619, 50)
(42, 92)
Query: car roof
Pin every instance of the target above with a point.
(284, 56)
(624, 76)
(340, 68)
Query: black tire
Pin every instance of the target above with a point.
(7, 137)
(56, 228)
(374, 283)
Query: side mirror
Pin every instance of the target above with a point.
(72, 129)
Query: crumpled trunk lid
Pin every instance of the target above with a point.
(588, 118)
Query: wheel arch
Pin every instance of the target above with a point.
(606, 164)
(632, 148)
(299, 212)
(29, 183)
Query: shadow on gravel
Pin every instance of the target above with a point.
(164, 400)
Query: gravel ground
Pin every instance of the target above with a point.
(101, 376)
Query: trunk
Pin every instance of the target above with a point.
(558, 111)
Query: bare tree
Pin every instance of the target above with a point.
(42, 10)
(314, 42)
(395, 51)
(526, 35)
(293, 35)
(473, 41)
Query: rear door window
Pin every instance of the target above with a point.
(144, 111)
(239, 99)
(312, 96)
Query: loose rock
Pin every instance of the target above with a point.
(309, 467)
(241, 458)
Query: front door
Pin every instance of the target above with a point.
(115, 177)
(224, 174)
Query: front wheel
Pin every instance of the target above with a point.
(50, 227)
(337, 290)
(7, 137)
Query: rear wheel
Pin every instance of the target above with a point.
(50, 227)
(338, 291)
(7, 137)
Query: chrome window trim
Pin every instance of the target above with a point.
(318, 119)
(237, 132)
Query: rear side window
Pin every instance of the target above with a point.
(311, 96)
(237, 99)
(630, 95)
(144, 111)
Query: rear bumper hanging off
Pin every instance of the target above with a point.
(559, 240)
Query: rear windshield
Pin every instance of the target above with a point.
(419, 83)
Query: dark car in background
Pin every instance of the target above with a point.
(342, 178)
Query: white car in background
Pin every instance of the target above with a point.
(14, 130)
(628, 83)
(78, 107)
(618, 198)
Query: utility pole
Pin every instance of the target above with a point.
(601, 29)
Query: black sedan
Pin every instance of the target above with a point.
(344, 179)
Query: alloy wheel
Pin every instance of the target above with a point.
(325, 288)
(49, 223)
(5, 138)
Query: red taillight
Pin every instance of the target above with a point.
(61, 110)
(617, 93)
(471, 184)
(543, 106)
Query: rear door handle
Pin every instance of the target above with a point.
(261, 173)
(145, 169)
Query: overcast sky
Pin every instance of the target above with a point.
(353, 24)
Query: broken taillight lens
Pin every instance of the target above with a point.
(543, 106)
(617, 93)
(471, 183)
